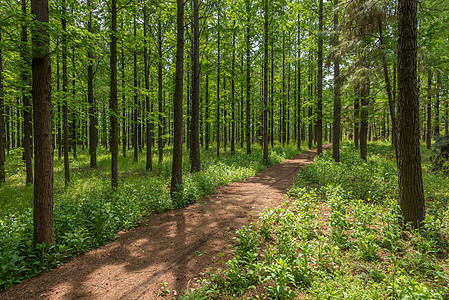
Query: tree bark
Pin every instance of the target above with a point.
(136, 103)
(248, 82)
(411, 192)
(337, 97)
(265, 86)
(437, 106)
(356, 115)
(217, 117)
(93, 120)
(27, 120)
(149, 161)
(319, 121)
(365, 92)
(160, 111)
(233, 95)
(3, 140)
(176, 179)
(194, 129)
(43, 151)
(298, 104)
(113, 97)
(65, 121)
(429, 110)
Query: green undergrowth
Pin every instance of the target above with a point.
(88, 213)
(339, 237)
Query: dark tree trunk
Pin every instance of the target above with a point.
(74, 114)
(233, 95)
(59, 123)
(194, 129)
(3, 140)
(437, 107)
(298, 104)
(429, 110)
(283, 133)
(217, 117)
(356, 115)
(27, 121)
(124, 113)
(391, 100)
(136, 104)
(242, 109)
(160, 146)
(113, 96)
(365, 91)
(272, 94)
(310, 110)
(411, 192)
(65, 117)
(206, 116)
(176, 179)
(149, 161)
(265, 86)
(248, 84)
(319, 121)
(337, 96)
(43, 150)
(93, 121)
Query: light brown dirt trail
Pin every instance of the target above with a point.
(176, 247)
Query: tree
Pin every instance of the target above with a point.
(113, 96)
(65, 83)
(149, 161)
(319, 121)
(194, 129)
(337, 96)
(2, 121)
(93, 121)
(176, 179)
(411, 192)
(265, 86)
(43, 146)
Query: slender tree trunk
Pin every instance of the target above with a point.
(194, 129)
(3, 140)
(206, 116)
(113, 96)
(176, 180)
(437, 107)
(59, 123)
(248, 84)
(93, 121)
(74, 114)
(319, 121)
(65, 121)
(217, 117)
(43, 150)
(124, 113)
(149, 162)
(391, 100)
(242, 109)
(356, 115)
(283, 91)
(365, 92)
(272, 93)
(27, 121)
(136, 104)
(411, 192)
(298, 104)
(429, 110)
(159, 133)
(337, 97)
(233, 94)
(265, 86)
(310, 110)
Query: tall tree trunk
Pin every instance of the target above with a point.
(93, 120)
(337, 97)
(160, 146)
(124, 113)
(242, 109)
(27, 122)
(298, 104)
(65, 121)
(437, 106)
(248, 83)
(310, 110)
(74, 114)
(206, 115)
(365, 92)
(43, 150)
(319, 121)
(3, 140)
(59, 123)
(356, 117)
(283, 91)
(265, 86)
(391, 100)
(176, 179)
(136, 104)
(272, 94)
(113, 96)
(217, 117)
(233, 94)
(194, 129)
(411, 192)
(429, 110)
(149, 161)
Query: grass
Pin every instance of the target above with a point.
(339, 236)
(88, 213)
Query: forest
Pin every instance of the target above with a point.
(112, 111)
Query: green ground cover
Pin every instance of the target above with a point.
(88, 213)
(338, 237)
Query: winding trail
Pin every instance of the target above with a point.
(176, 247)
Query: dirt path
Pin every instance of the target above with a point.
(176, 247)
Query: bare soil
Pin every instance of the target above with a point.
(177, 247)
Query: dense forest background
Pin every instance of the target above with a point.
(151, 79)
